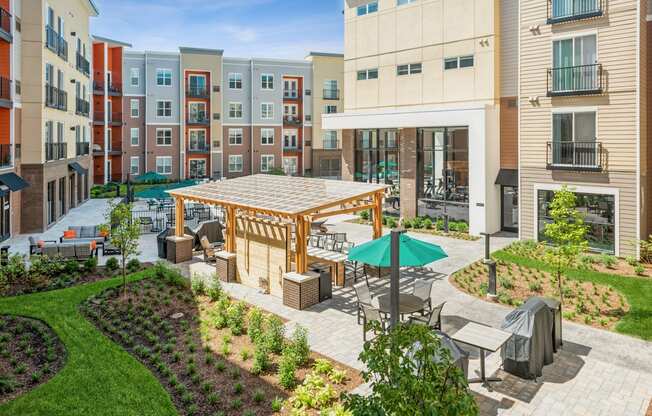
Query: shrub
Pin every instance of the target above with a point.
(255, 324)
(323, 366)
(112, 264)
(235, 317)
(299, 345)
(535, 286)
(391, 222)
(133, 266)
(277, 404)
(221, 312)
(609, 261)
(274, 334)
(7, 383)
(214, 290)
(639, 270)
(90, 265)
(169, 275)
(365, 215)
(198, 286)
(427, 223)
(15, 270)
(505, 283)
(259, 396)
(238, 388)
(337, 376)
(261, 359)
(245, 354)
(287, 368)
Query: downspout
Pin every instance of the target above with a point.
(106, 114)
(146, 104)
(251, 119)
(182, 121)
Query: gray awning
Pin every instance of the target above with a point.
(13, 181)
(507, 177)
(78, 168)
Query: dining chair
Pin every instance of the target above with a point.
(340, 237)
(338, 246)
(422, 289)
(371, 314)
(363, 295)
(433, 320)
(314, 240)
(329, 244)
(350, 266)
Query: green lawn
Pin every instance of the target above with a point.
(638, 291)
(99, 377)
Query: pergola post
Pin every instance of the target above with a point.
(378, 215)
(230, 229)
(301, 253)
(179, 222)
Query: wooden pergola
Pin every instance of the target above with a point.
(296, 199)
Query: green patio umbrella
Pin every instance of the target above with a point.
(412, 253)
(150, 177)
(156, 192)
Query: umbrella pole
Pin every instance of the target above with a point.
(395, 275)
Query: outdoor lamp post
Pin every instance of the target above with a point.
(491, 267)
(395, 277)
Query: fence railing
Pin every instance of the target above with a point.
(575, 155)
(163, 216)
(56, 151)
(575, 80)
(560, 11)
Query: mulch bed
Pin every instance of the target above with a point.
(30, 354)
(146, 318)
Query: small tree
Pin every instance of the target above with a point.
(124, 235)
(566, 233)
(411, 374)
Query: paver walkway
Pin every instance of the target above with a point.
(596, 373)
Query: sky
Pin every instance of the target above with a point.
(243, 28)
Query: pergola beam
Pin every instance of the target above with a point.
(179, 222)
(230, 229)
(378, 215)
(343, 211)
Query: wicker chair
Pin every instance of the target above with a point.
(209, 250)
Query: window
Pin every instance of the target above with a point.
(135, 108)
(403, 2)
(164, 137)
(235, 81)
(134, 165)
(290, 165)
(290, 139)
(376, 157)
(331, 92)
(290, 109)
(134, 76)
(267, 136)
(198, 140)
(459, 62)
(574, 139)
(135, 136)
(330, 109)
(330, 169)
(197, 112)
(235, 137)
(290, 88)
(368, 74)
(267, 111)
(235, 110)
(450, 63)
(197, 168)
(164, 165)
(164, 108)
(197, 85)
(330, 139)
(235, 163)
(164, 77)
(368, 8)
(266, 163)
(409, 69)
(466, 61)
(267, 81)
(575, 64)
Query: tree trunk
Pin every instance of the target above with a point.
(561, 293)
(124, 279)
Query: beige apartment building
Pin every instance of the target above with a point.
(56, 125)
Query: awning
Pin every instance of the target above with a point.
(78, 168)
(507, 177)
(13, 181)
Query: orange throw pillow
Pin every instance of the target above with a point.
(69, 234)
(93, 245)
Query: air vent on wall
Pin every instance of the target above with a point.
(308, 92)
(216, 116)
(216, 88)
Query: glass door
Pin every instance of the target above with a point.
(509, 208)
(197, 85)
(5, 217)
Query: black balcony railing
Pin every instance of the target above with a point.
(575, 80)
(585, 155)
(5, 21)
(560, 11)
(198, 148)
(83, 148)
(199, 118)
(115, 88)
(5, 89)
(56, 151)
(82, 107)
(197, 92)
(5, 155)
(113, 118)
(291, 94)
(83, 65)
(331, 94)
(56, 98)
(55, 42)
(292, 120)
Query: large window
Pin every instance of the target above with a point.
(235, 81)
(164, 137)
(267, 111)
(290, 140)
(164, 108)
(134, 165)
(376, 156)
(267, 136)
(164, 77)
(164, 165)
(574, 139)
(267, 81)
(443, 172)
(197, 112)
(330, 139)
(135, 136)
(235, 163)
(291, 165)
(266, 163)
(198, 140)
(367, 8)
(134, 76)
(235, 137)
(5, 217)
(599, 215)
(574, 64)
(197, 168)
(134, 106)
(235, 110)
(330, 169)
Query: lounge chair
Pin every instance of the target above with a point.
(363, 294)
(422, 289)
(209, 249)
(433, 320)
(35, 248)
(371, 314)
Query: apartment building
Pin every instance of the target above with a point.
(108, 110)
(327, 98)
(425, 87)
(55, 125)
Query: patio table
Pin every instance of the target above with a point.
(485, 339)
(407, 303)
(334, 259)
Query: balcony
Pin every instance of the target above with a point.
(56, 151)
(5, 92)
(199, 148)
(331, 94)
(5, 25)
(115, 89)
(82, 148)
(292, 120)
(82, 107)
(586, 155)
(83, 65)
(575, 80)
(331, 144)
(114, 119)
(197, 92)
(56, 43)
(561, 11)
(198, 119)
(5, 155)
(56, 98)
(291, 94)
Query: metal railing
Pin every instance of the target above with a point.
(51, 39)
(331, 144)
(560, 11)
(5, 21)
(197, 92)
(83, 65)
(5, 155)
(575, 155)
(83, 148)
(199, 118)
(116, 117)
(56, 98)
(55, 151)
(575, 80)
(82, 107)
(331, 94)
(162, 216)
(292, 120)
(5, 89)
(199, 148)
(115, 88)
(291, 94)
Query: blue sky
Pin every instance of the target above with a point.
(243, 28)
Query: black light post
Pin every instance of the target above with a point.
(491, 267)
(395, 277)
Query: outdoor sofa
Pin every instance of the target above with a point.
(79, 250)
(83, 234)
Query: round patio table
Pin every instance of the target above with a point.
(407, 304)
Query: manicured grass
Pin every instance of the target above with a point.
(638, 291)
(99, 377)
